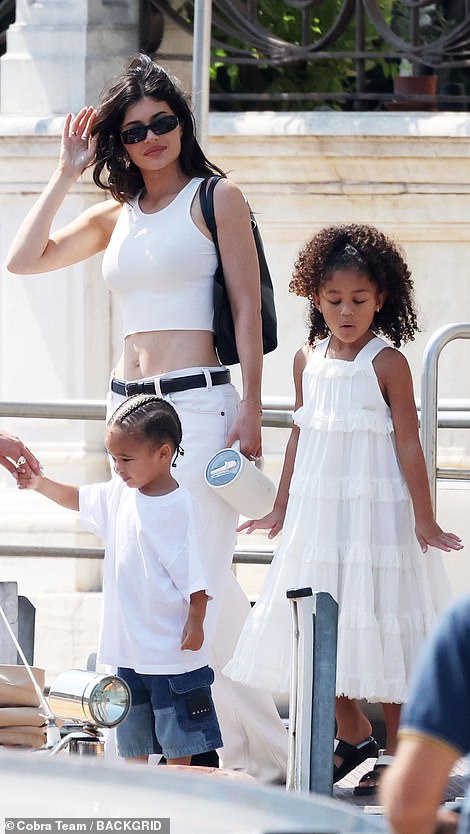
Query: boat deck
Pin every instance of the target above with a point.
(456, 786)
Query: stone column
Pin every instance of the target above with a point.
(61, 52)
(56, 330)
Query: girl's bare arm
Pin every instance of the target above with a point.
(275, 519)
(395, 377)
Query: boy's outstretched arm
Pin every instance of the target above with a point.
(64, 494)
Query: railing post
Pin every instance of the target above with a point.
(313, 690)
(26, 627)
(21, 614)
(201, 67)
(429, 395)
(301, 683)
(9, 603)
(325, 626)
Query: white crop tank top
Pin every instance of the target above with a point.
(161, 267)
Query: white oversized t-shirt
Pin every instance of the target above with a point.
(154, 560)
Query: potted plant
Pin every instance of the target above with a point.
(417, 25)
(413, 84)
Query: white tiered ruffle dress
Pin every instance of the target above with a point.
(349, 530)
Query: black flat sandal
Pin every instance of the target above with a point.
(369, 783)
(353, 755)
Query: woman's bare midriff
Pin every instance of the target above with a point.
(159, 352)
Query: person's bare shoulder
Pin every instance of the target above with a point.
(228, 198)
(304, 354)
(301, 358)
(390, 359)
(392, 367)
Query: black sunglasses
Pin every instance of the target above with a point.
(164, 124)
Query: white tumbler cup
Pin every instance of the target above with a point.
(241, 482)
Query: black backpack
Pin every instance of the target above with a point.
(224, 331)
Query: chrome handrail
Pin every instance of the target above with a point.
(243, 556)
(429, 398)
(277, 413)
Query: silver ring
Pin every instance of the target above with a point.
(21, 460)
(74, 133)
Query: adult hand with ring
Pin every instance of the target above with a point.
(12, 450)
(75, 155)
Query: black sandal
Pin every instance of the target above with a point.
(353, 755)
(365, 789)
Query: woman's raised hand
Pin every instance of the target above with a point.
(78, 148)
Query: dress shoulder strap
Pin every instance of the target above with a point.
(321, 347)
(371, 349)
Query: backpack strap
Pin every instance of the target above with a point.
(206, 199)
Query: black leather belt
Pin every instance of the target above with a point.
(171, 385)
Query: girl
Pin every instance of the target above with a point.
(154, 589)
(159, 261)
(353, 495)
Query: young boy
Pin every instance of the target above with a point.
(154, 587)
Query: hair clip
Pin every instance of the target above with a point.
(349, 249)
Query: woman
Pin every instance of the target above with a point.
(159, 259)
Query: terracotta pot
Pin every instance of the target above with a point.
(404, 85)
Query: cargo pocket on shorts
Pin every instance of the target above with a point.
(194, 706)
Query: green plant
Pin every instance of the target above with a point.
(419, 26)
(316, 75)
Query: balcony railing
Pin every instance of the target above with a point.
(287, 54)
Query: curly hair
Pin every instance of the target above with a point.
(143, 78)
(149, 418)
(367, 250)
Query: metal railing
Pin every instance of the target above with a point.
(311, 53)
(277, 413)
(429, 396)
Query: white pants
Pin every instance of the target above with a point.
(255, 739)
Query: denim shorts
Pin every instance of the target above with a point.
(170, 714)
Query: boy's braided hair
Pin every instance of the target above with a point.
(149, 417)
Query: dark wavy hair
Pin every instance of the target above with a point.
(149, 418)
(113, 169)
(367, 250)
